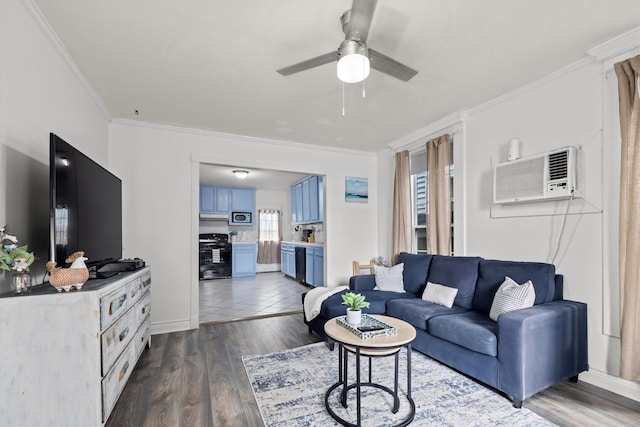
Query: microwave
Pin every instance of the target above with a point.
(241, 217)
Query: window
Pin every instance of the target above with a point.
(269, 226)
(420, 202)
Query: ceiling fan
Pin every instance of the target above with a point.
(354, 57)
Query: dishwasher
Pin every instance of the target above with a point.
(301, 263)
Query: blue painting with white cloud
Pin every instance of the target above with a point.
(356, 189)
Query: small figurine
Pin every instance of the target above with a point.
(67, 278)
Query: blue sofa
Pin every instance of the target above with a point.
(524, 352)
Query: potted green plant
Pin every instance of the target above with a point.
(355, 304)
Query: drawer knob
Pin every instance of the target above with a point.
(117, 303)
(123, 371)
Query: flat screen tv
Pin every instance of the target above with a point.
(85, 206)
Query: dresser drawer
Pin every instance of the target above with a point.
(134, 290)
(146, 280)
(116, 338)
(142, 336)
(112, 306)
(115, 380)
(143, 309)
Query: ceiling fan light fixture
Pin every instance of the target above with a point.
(240, 173)
(353, 62)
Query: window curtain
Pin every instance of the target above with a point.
(439, 196)
(628, 73)
(268, 237)
(401, 223)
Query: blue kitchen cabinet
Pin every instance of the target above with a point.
(243, 199)
(214, 199)
(288, 260)
(243, 259)
(307, 204)
(318, 266)
(296, 203)
(294, 210)
(309, 266)
(207, 198)
(314, 273)
(306, 201)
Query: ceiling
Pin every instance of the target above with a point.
(211, 64)
(258, 178)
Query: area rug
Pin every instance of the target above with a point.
(290, 387)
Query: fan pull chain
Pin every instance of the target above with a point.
(342, 99)
(363, 93)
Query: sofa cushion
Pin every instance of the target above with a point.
(417, 312)
(439, 294)
(389, 278)
(333, 307)
(512, 296)
(416, 268)
(471, 330)
(456, 271)
(491, 274)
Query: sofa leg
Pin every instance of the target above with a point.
(517, 403)
(331, 345)
(573, 379)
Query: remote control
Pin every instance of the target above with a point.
(370, 328)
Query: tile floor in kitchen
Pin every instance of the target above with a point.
(265, 294)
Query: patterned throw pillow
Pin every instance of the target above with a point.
(512, 296)
(389, 278)
(439, 294)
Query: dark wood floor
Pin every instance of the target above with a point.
(196, 378)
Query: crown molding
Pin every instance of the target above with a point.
(616, 46)
(64, 53)
(449, 124)
(243, 138)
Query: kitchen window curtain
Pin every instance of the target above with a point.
(268, 237)
(628, 73)
(439, 194)
(401, 223)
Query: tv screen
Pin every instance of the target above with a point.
(85, 206)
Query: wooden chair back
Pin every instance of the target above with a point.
(358, 268)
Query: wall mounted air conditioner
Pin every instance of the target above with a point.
(548, 176)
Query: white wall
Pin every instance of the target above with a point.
(563, 109)
(41, 92)
(159, 169)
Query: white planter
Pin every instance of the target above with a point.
(354, 317)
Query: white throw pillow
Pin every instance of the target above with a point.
(389, 278)
(512, 296)
(439, 294)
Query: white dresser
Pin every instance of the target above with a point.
(65, 357)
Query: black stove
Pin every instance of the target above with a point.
(215, 256)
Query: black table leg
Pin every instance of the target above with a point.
(359, 418)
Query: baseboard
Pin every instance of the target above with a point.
(172, 326)
(628, 389)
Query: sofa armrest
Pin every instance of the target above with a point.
(364, 282)
(541, 346)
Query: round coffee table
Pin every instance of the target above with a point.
(381, 346)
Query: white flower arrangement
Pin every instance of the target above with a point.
(382, 261)
(12, 256)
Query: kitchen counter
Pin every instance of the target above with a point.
(315, 245)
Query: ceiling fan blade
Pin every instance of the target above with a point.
(309, 63)
(390, 66)
(357, 21)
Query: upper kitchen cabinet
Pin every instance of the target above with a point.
(307, 201)
(214, 199)
(243, 199)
